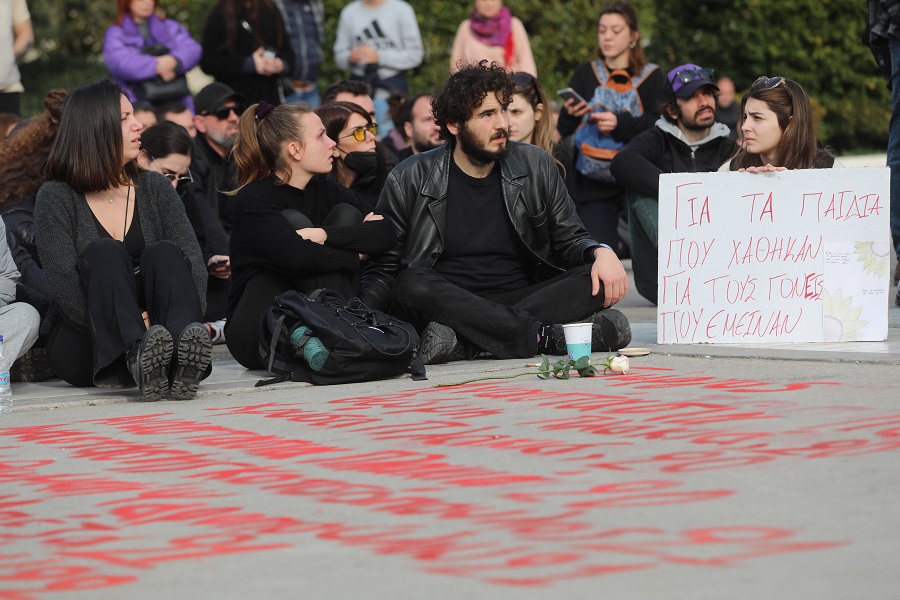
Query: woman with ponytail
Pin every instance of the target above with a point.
(292, 229)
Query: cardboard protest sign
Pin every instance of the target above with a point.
(789, 256)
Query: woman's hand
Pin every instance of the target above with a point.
(606, 121)
(146, 317)
(222, 271)
(576, 109)
(165, 67)
(764, 169)
(267, 65)
(313, 234)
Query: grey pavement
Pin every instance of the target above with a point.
(707, 472)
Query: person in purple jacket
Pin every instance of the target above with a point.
(141, 46)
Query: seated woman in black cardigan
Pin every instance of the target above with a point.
(122, 262)
(292, 230)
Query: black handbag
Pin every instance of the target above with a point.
(155, 90)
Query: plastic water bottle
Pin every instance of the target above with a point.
(6, 399)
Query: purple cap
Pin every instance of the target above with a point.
(687, 79)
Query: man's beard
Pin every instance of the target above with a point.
(424, 144)
(694, 123)
(222, 140)
(477, 153)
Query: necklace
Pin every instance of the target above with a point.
(127, 201)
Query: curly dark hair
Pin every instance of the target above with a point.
(24, 154)
(466, 89)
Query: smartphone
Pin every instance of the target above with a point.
(569, 93)
(215, 265)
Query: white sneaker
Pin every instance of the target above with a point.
(216, 331)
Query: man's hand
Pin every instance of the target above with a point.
(373, 217)
(364, 54)
(608, 269)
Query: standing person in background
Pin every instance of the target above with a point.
(245, 46)
(493, 34)
(140, 49)
(601, 203)
(378, 41)
(16, 37)
(120, 256)
(304, 21)
(884, 40)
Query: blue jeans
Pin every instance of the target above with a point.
(311, 96)
(893, 149)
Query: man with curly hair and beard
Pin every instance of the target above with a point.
(492, 256)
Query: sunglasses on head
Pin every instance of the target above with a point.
(767, 82)
(523, 79)
(359, 134)
(689, 75)
(222, 113)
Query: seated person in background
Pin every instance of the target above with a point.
(777, 130)
(292, 229)
(218, 109)
(727, 110)
(396, 141)
(359, 163)
(357, 92)
(177, 112)
(686, 139)
(492, 255)
(120, 256)
(144, 112)
(418, 123)
(167, 149)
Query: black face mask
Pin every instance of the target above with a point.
(363, 163)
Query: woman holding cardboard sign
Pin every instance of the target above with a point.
(776, 130)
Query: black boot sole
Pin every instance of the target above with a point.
(154, 356)
(194, 354)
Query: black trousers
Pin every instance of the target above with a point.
(242, 329)
(116, 297)
(504, 324)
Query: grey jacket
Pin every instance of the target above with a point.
(9, 273)
(65, 227)
(415, 200)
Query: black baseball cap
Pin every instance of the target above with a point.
(212, 97)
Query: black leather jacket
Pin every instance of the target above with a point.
(415, 200)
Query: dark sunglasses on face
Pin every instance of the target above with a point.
(223, 112)
(359, 134)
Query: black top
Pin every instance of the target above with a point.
(481, 251)
(262, 239)
(134, 237)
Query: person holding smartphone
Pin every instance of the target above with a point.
(600, 205)
(246, 46)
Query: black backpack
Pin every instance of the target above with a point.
(363, 344)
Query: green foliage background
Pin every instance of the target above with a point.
(816, 42)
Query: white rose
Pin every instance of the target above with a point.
(618, 364)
